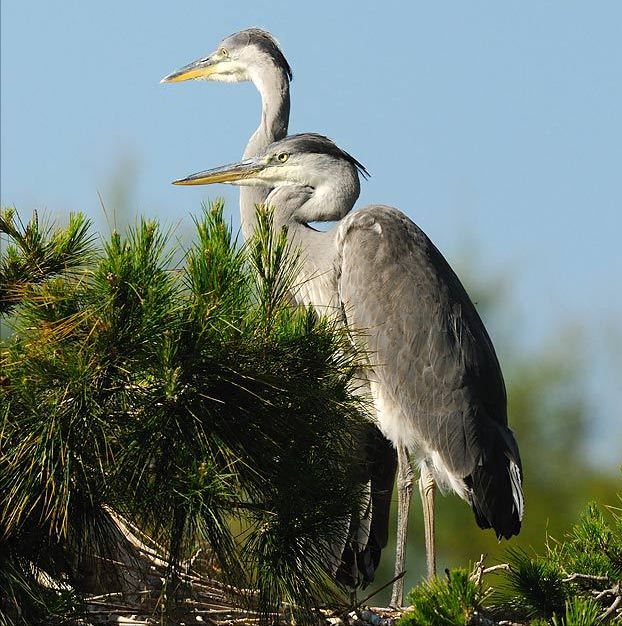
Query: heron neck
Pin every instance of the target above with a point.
(295, 207)
(273, 86)
(315, 284)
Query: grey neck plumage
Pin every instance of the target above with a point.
(273, 86)
(328, 198)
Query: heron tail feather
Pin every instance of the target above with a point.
(496, 485)
(360, 559)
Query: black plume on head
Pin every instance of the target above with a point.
(263, 40)
(313, 143)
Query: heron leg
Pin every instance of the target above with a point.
(405, 478)
(427, 489)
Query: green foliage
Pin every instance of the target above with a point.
(30, 601)
(38, 252)
(193, 400)
(579, 611)
(449, 601)
(536, 584)
(577, 579)
(577, 582)
(593, 546)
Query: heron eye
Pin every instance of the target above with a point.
(283, 157)
(224, 52)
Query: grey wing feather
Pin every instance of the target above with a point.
(432, 354)
(359, 561)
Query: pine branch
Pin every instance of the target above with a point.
(38, 252)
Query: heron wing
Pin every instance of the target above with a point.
(428, 347)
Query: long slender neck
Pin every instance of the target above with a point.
(316, 283)
(295, 206)
(273, 86)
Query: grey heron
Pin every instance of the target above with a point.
(436, 383)
(249, 55)
(254, 55)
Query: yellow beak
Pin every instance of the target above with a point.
(232, 174)
(197, 70)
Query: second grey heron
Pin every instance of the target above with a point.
(254, 55)
(251, 55)
(435, 379)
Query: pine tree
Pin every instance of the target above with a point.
(169, 429)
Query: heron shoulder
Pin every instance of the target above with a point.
(366, 221)
(378, 218)
(385, 240)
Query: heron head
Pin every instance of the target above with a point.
(306, 160)
(237, 58)
(308, 173)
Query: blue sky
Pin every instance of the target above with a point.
(496, 126)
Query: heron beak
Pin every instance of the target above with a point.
(201, 69)
(236, 173)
